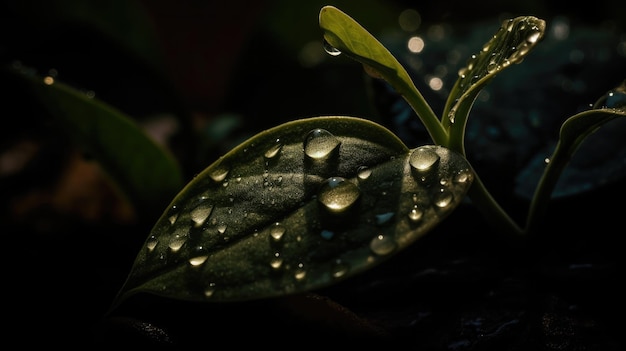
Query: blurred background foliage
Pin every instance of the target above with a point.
(201, 76)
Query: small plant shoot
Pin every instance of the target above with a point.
(311, 202)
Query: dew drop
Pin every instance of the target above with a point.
(273, 151)
(198, 256)
(363, 172)
(533, 37)
(463, 176)
(219, 173)
(443, 198)
(177, 242)
(382, 245)
(151, 243)
(416, 214)
(210, 290)
(331, 50)
(320, 144)
(200, 214)
(300, 273)
(339, 269)
(277, 261)
(452, 115)
(277, 231)
(492, 67)
(221, 228)
(198, 260)
(173, 218)
(463, 72)
(423, 159)
(338, 195)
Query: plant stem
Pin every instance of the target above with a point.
(425, 113)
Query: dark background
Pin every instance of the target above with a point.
(205, 75)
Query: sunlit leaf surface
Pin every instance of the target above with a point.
(297, 207)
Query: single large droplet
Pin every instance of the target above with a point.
(338, 195)
(277, 231)
(423, 159)
(276, 262)
(320, 144)
(200, 214)
(219, 173)
(177, 242)
(382, 245)
(363, 172)
(331, 50)
(200, 255)
(416, 214)
(339, 269)
(209, 290)
(300, 272)
(463, 176)
(274, 150)
(198, 260)
(443, 198)
(151, 243)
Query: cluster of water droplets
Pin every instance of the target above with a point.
(348, 221)
(509, 45)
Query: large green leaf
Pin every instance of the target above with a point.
(297, 207)
(144, 171)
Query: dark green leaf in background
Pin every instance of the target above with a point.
(144, 171)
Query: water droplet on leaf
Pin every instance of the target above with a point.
(320, 144)
(423, 159)
(338, 194)
(382, 245)
(331, 50)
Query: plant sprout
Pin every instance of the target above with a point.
(314, 201)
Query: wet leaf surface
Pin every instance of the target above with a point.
(297, 207)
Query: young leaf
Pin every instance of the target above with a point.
(144, 171)
(342, 34)
(294, 208)
(573, 132)
(509, 45)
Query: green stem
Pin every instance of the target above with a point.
(543, 192)
(425, 113)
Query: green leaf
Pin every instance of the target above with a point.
(344, 35)
(509, 45)
(144, 171)
(573, 132)
(297, 207)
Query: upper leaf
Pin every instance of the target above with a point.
(294, 208)
(574, 131)
(342, 34)
(509, 45)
